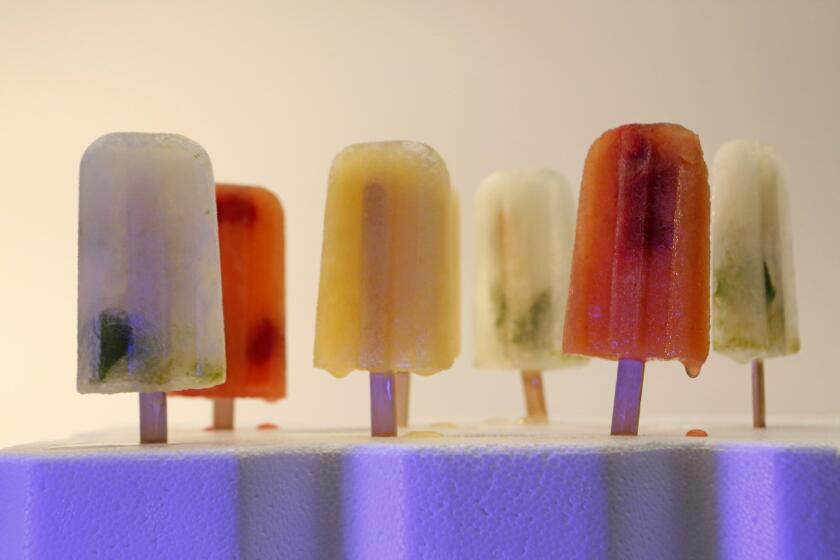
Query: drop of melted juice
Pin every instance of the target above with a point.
(533, 420)
(421, 434)
(692, 370)
(268, 426)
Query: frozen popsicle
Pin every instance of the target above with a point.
(388, 292)
(640, 274)
(150, 297)
(251, 245)
(523, 249)
(754, 300)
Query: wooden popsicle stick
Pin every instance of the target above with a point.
(628, 398)
(758, 394)
(383, 405)
(153, 418)
(223, 413)
(403, 388)
(534, 396)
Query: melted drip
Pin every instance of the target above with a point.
(692, 370)
(422, 434)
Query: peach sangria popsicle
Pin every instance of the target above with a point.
(252, 255)
(388, 295)
(640, 272)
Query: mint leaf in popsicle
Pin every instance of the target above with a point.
(526, 329)
(769, 288)
(115, 337)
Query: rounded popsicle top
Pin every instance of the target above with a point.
(682, 140)
(739, 151)
(244, 203)
(154, 142)
(388, 160)
(517, 179)
(524, 184)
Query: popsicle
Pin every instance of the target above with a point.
(753, 298)
(640, 272)
(150, 297)
(523, 248)
(388, 295)
(251, 246)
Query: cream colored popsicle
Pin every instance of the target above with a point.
(150, 296)
(525, 226)
(754, 299)
(523, 242)
(388, 293)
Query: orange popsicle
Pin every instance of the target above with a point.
(640, 271)
(252, 253)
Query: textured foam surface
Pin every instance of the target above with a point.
(496, 490)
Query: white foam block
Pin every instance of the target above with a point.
(481, 491)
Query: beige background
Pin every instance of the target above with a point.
(274, 91)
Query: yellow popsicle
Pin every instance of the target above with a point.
(388, 297)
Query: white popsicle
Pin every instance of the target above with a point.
(150, 298)
(754, 300)
(525, 225)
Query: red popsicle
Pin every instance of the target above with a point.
(252, 256)
(640, 271)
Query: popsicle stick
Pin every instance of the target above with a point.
(534, 396)
(223, 413)
(403, 387)
(758, 393)
(153, 418)
(383, 405)
(628, 398)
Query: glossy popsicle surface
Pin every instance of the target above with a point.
(388, 291)
(150, 297)
(252, 256)
(640, 273)
(754, 299)
(524, 235)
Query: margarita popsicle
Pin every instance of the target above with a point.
(251, 245)
(524, 234)
(150, 298)
(754, 299)
(640, 273)
(388, 292)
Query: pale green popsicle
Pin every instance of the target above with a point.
(754, 299)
